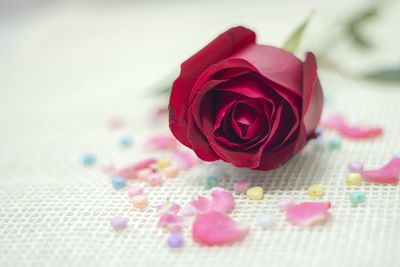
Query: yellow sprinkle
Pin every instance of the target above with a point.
(353, 178)
(162, 163)
(255, 193)
(316, 190)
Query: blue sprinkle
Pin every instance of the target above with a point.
(126, 141)
(88, 159)
(118, 182)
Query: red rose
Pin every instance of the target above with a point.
(252, 105)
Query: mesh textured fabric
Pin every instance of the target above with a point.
(69, 70)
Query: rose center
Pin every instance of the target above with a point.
(245, 117)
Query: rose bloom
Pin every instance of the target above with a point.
(252, 105)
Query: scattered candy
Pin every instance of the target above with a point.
(353, 178)
(162, 163)
(132, 169)
(185, 159)
(126, 141)
(88, 159)
(285, 202)
(316, 190)
(265, 220)
(388, 174)
(213, 228)
(215, 170)
(338, 123)
(357, 197)
(161, 142)
(139, 201)
(255, 193)
(242, 186)
(175, 241)
(335, 143)
(144, 173)
(118, 182)
(308, 213)
(135, 190)
(356, 167)
(154, 179)
(118, 222)
(209, 182)
(171, 171)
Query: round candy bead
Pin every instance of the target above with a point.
(356, 166)
(242, 186)
(255, 193)
(118, 182)
(357, 197)
(118, 222)
(353, 178)
(154, 179)
(265, 220)
(135, 190)
(335, 143)
(175, 240)
(88, 159)
(162, 163)
(316, 190)
(171, 171)
(139, 201)
(285, 203)
(126, 141)
(209, 182)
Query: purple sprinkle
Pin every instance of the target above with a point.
(356, 167)
(118, 222)
(175, 240)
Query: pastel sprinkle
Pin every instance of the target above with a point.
(135, 190)
(308, 213)
(255, 193)
(388, 174)
(214, 228)
(353, 178)
(209, 182)
(171, 171)
(265, 220)
(118, 182)
(285, 202)
(356, 167)
(242, 186)
(357, 197)
(88, 159)
(144, 173)
(316, 190)
(335, 143)
(162, 163)
(175, 240)
(126, 141)
(118, 222)
(139, 201)
(155, 179)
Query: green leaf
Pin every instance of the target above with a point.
(354, 24)
(293, 41)
(386, 75)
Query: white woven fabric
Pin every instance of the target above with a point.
(66, 70)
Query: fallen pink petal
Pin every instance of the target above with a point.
(308, 213)
(188, 210)
(166, 208)
(221, 201)
(388, 174)
(214, 228)
(131, 170)
(171, 221)
(338, 123)
(161, 142)
(201, 204)
(185, 159)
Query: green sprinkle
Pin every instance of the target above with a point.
(335, 143)
(357, 197)
(210, 182)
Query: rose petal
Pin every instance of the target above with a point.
(214, 228)
(308, 213)
(169, 220)
(202, 204)
(221, 201)
(388, 174)
(161, 142)
(132, 169)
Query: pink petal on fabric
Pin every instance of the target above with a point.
(161, 142)
(188, 210)
(168, 220)
(214, 228)
(308, 213)
(221, 201)
(388, 174)
(201, 204)
(131, 170)
(338, 123)
(185, 159)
